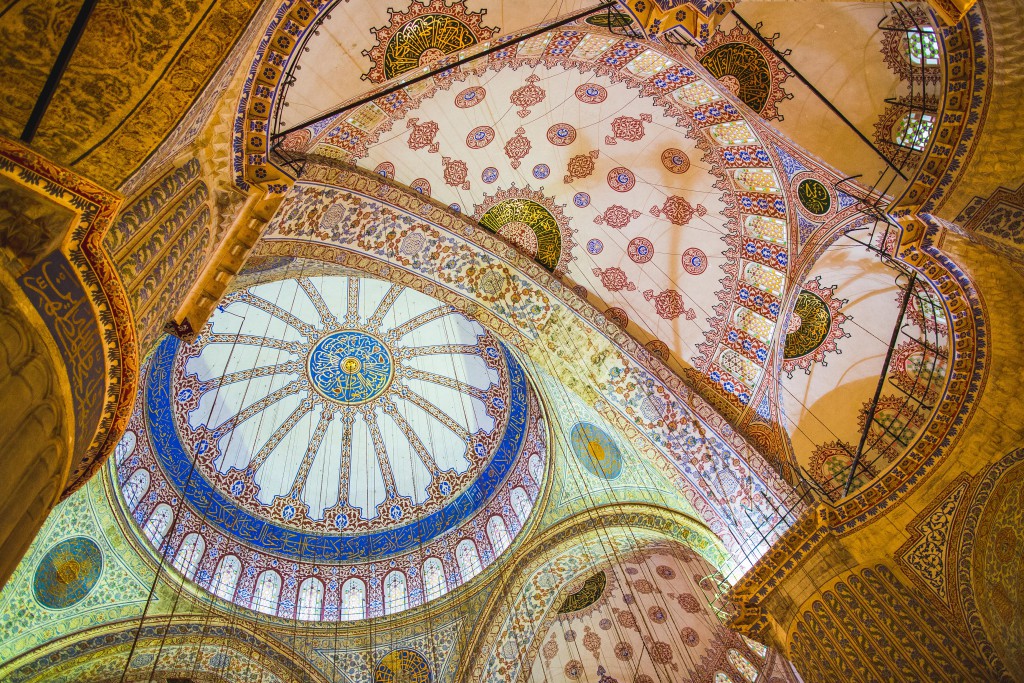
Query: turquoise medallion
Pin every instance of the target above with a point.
(595, 450)
(67, 573)
(350, 367)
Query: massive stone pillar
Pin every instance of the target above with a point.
(915, 576)
(68, 362)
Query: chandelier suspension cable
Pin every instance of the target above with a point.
(603, 535)
(163, 550)
(590, 381)
(256, 600)
(235, 622)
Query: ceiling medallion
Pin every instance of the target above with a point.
(423, 34)
(350, 367)
(747, 68)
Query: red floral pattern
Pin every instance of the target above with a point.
(518, 147)
(614, 279)
(677, 210)
(669, 304)
(627, 128)
(527, 96)
(455, 172)
(422, 134)
(616, 216)
(580, 166)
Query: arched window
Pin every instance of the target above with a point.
(226, 577)
(765, 228)
(765, 278)
(497, 533)
(311, 599)
(536, 466)
(741, 368)
(469, 560)
(158, 524)
(755, 647)
(353, 600)
(757, 179)
(124, 448)
(433, 578)
(913, 130)
(742, 664)
(394, 593)
(733, 133)
(190, 553)
(135, 488)
(722, 677)
(521, 503)
(754, 324)
(267, 593)
(695, 94)
(923, 47)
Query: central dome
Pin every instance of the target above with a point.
(339, 420)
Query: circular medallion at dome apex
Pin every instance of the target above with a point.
(345, 408)
(350, 367)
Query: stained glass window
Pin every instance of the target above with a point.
(353, 600)
(469, 559)
(520, 503)
(135, 488)
(158, 524)
(395, 599)
(756, 179)
(433, 578)
(696, 93)
(754, 324)
(755, 647)
(924, 47)
(733, 133)
(739, 367)
(311, 599)
(764, 228)
(267, 593)
(743, 665)
(125, 447)
(914, 130)
(497, 533)
(722, 677)
(190, 553)
(536, 466)
(226, 577)
(764, 278)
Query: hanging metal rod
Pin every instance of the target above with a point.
(57, 71)
(465, 60)
(881, 383)
(820, 96)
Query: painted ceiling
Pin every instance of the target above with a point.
(336, 421)
(362, 45)
(617, 167)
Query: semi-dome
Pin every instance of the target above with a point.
(318, 425)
